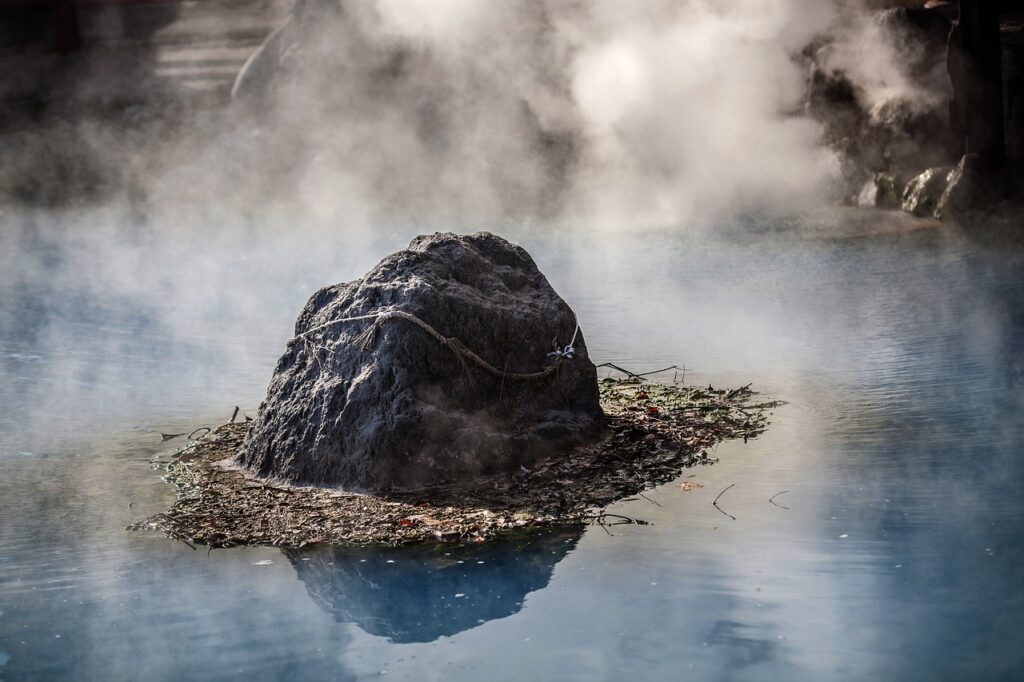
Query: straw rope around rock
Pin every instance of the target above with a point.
(366, 338)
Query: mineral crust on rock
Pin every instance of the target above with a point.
(462, 384)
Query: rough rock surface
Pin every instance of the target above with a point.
(881, 191)
(409, 411)
(957, 195)
(922, 194)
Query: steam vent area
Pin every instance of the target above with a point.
(931, 126)
(512, 340)
(447, 395)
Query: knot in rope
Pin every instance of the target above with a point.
(568, 352)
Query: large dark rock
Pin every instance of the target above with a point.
(409, 410)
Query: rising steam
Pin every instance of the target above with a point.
(458, 112)
(656, 112)
(361, 124)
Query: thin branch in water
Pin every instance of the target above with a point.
(736, 391)
(658, 371)
(641, 375)
(619, 369)
(772, 499)
(649, 499)
(234, 414)
(715, 502)
(201, 428)
(625, 519)
(169, 436)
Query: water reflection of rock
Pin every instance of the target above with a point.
(744, 647)
(417, 594)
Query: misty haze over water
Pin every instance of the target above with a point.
(684, 219)
(900, 359)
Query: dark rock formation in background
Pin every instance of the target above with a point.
(975, 68)
(957, 194)
(91, 91)
(409, 411)
(882, 191)
(904, 136)
(922, 194)
(978, 112)
(1012, 41)
(959, 153)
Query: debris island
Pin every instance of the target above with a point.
(654, 432)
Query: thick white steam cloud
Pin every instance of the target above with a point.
(651, 112)
(361, 124)
(458, 113)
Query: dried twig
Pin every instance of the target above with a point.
(772, 499)
(715, 503)
(619, 369)
(657, 371)
(627, 520)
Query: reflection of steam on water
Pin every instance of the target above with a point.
(417, 594)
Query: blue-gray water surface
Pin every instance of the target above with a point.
(896, 553)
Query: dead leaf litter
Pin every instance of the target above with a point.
(654, 432)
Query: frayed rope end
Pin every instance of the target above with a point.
(367, 337)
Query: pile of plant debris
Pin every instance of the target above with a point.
(655, 431)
